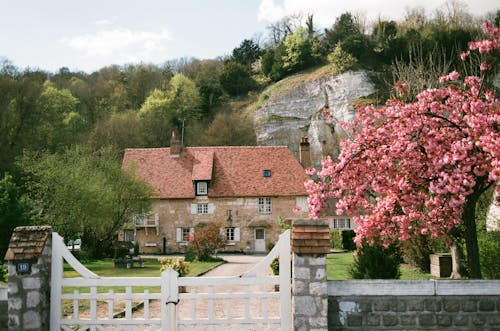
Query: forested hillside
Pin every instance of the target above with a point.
(60, 128)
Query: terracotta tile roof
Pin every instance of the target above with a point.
(27, 242)
(234, 171)
(203, 164)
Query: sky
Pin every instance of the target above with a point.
(88, 35)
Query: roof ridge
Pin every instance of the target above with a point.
(208, 147)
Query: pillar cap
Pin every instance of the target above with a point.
(310, 236)
(27, 242)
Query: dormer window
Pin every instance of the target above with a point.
(201, 188)
(266, 173)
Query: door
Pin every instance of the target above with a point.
(260, 240)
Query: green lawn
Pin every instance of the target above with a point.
(105, 268)
(337, 268)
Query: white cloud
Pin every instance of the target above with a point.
(121, 45)
(103, 22)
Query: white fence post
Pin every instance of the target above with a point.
(169, 299)
(56, 282)
(285, 282)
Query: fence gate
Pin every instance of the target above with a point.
(252, 301)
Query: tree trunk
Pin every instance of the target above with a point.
(469, 222)
(455, 261)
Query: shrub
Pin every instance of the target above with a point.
(340, 60)
(207, 239)
(347, 240)
(275, 266)
(190, 254)
(179, 265)
(417, 250)
(373, 261)
(489, 254)
(336, 239)
(3, 273)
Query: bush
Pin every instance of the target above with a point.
(489, 254)
(3, 273)
(416, 251)
(275, 266)
(207, 239)
(347, 240)
(341, 60)
(190, 254)
(373, 261)
(336, 239)
(179, 265)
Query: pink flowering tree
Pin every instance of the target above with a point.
(420, 167)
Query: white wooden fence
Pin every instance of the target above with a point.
(248, 302)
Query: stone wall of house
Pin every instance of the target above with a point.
(244, 213)
(414, 305)
(4, 316)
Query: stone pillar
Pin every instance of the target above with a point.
(310, 244)
(29, 262)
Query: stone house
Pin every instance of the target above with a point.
(245, 190)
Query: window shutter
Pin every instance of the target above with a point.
(236, 234)
(157, 217)
(179, 234)
(193, 208)
(211, 208)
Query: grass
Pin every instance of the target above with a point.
(338, 265)
(106, 268)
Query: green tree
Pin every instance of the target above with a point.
(84, 193)
(236, 79)
(297, 50)
(344, 26)
(247, 53)
(13, 211)
(232, 129)
(179, 103)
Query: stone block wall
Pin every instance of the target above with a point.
(456, 305)
(4, 317)
(29, 291)
(174, 213)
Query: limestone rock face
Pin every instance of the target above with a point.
(284, 117)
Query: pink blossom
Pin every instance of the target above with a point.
(410, 167)
(310, 171)
(464, 55)
(297, 210)
(484, 66)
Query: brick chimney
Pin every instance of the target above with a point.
(175, 146)
(304, 152)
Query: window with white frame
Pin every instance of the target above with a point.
(202, 208)
(342, 223)
(265, 206)
(232, 234)
(183, 234)
(201, 188)
(128, 235)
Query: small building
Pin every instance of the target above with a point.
(245, 190)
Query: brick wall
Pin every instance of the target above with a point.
(414, 305)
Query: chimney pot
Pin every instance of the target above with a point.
(175, 146)
(304, 152)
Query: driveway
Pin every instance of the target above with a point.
(235, 265)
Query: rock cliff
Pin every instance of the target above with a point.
(292, 108)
